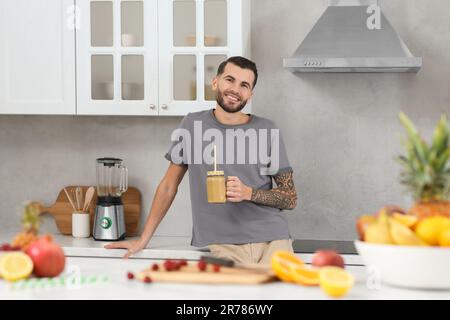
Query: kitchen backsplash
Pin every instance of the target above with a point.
(341, 130)
(41, 154)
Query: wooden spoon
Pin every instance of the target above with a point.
(87, 200)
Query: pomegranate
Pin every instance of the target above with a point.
(324, 258)
(47, 256)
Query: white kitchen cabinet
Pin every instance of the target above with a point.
(37, 57)
(117, 57)
(155, 57)
(195, 36)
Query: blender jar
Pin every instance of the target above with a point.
(112, 177)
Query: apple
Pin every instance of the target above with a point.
(322, 258)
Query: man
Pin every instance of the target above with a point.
(250, 226)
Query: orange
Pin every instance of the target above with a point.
(444, 238)
(15, 266)
(429, 229)
(405, 219)
(282, 264)
(335, 281)
(305, 276)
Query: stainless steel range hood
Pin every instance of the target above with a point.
(340, 41)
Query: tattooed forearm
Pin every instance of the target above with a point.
(282, 197)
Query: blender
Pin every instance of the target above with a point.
(112, 182)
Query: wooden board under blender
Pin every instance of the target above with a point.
(61, 210)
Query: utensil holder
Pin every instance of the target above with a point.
(81, 225)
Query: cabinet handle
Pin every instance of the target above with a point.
(152, 106)
(164, 106)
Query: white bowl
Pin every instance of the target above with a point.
(410, 267)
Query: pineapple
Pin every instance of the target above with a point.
(426, 171)
(30, 221)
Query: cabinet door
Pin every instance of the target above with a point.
(117, 57)
(195, 36)
(37, 57)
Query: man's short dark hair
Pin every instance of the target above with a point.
(241, 62)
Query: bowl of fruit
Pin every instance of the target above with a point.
(411, 248)
(405, 251)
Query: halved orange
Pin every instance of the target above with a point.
(305, 276)
(283, 263)
(405, 219)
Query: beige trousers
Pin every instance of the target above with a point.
(260, 252)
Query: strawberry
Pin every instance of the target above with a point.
(202, 265)
(155, 267)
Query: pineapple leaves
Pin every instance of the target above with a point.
(414, 137)
(442, 161)
(440, 136)
(425, 169)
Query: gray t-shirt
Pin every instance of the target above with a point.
(254, 152)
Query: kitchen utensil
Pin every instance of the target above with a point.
(191, 274)
(73, 195)
(62, 210)
(407, 266)
(232, 264)
(80, 225)
(79, 197)
(112, 181)
(70, 199)
(87, 202)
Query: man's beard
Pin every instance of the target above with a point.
(228, 108)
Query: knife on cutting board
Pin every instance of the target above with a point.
(233, 264)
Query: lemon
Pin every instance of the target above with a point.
(283, 263)
(444, 238)
(335, 281)
(15, 266)
(429, 229)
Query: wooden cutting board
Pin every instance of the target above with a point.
(61, 210)
(191, 274)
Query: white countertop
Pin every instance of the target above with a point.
(159, 247)
(111, 283)
(89, 259)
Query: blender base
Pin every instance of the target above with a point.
(110, 240)
(109, 223)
